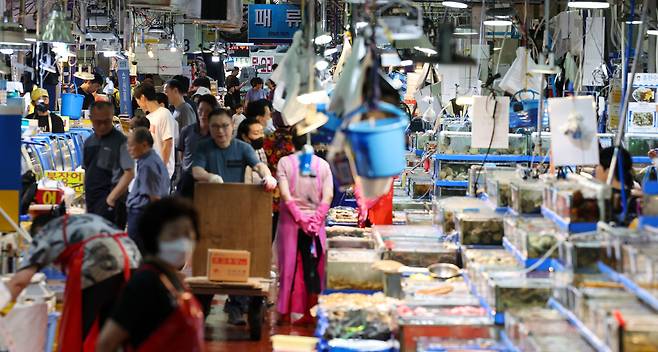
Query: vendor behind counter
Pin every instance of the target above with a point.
(47, 121)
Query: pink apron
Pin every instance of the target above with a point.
(286, 243)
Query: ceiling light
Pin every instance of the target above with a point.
(323, 39)
(6, 51)
(497, 22)
(58, 28)
(428, 51)
(464, 31)
(360, 25)
(406, 63)
(634, 21)
(454, 4)
(588, 4)
(652, 32)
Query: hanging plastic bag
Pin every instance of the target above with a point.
(520, 76)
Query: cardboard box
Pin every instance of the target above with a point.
(228, 265)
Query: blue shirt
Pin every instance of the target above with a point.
(255, 95)
(229, 163)
(151, 179)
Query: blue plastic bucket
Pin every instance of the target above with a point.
(379, 146)
(72, 105)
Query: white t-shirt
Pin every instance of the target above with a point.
(163, 127)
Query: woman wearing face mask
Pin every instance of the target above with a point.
(250, 131)
(155, 311)
(307, 189)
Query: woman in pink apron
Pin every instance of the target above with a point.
(301, 238)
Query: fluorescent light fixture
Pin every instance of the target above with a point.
(652, 32)
(428, 51)
(406, 63)
(464, 31)
(589, 4)
(6, 51)
(156, 29)
(323, 39)
(633, 21)
(109, 53)
(360, 25)
(321, 65)
(454, 4)
(497, 22)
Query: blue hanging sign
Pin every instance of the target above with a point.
(125, 98)
(274, 23)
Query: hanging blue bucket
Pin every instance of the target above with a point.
(379, 145)
(72, 105)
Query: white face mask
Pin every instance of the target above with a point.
(177, 252)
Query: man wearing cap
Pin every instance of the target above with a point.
(47, 121)
(200, 91)
(89, 88)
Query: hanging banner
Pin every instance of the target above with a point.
(262, 62)
(273, 23)
(642, 116)
(125, 98)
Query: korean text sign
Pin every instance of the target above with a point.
(274, 23)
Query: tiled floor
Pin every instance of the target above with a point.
(222, 337)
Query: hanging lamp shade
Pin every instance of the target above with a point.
(12, 36)
(57, 29)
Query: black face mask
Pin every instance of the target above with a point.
(258, 143)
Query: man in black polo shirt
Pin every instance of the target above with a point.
(108, 167)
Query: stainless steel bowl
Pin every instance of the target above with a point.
(444, 271)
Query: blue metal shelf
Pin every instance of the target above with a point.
(509, 345)
(566, 226)
(585, 332)
(630, 286)
(499, 318)
(445, 183)
(641, 160)
(481, 158)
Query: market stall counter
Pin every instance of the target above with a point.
(256, 288)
